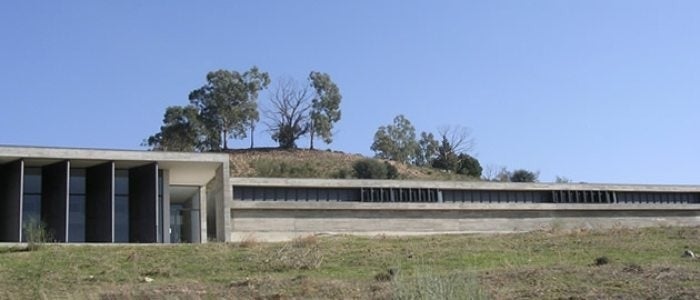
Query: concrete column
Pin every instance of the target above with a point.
(11, 183)
(99, 203)
(54, 199)
(195, 214)
(165, 231)
(143, 207)
(203, 214)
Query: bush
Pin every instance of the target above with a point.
(391, 171)
(523, 176)
(374, 169)
(469, 166)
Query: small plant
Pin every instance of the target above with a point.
(36, 234)
(305, 241)
(290, 257)
(427, 285)
(599, 261)
(249, 242)
(633, 268)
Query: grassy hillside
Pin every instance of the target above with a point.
(620, 264)
(302, 163)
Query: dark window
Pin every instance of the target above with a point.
(121, 206)
(76, 201)
(31, 206)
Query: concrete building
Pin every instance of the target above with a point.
(113, 196)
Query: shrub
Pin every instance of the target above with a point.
(374, 169)
(391, 171)
(469, 166)
(523, 176)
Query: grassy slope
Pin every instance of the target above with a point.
(315, 164)
(644, 263)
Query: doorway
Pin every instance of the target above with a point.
(185, 217)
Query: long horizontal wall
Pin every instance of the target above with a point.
(279, 209)
(286, 220)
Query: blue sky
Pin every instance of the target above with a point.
(597, 91)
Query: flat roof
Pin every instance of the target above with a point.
(457, 185)
(11, 152)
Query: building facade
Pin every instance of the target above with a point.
(114, 196)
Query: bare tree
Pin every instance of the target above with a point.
(458, 137)
(288, 117)
(491, 172)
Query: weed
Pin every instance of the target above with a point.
(36, 234)
(305, 241)
(291, 257)
(249, 242)
(428, 285)
(556, 226)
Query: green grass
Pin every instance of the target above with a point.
(643, 263)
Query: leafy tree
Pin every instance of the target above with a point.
(325, 107)
(397, 141)
(562, 179)
(181, 131)
(288, 118)
(427, 149)
(469, 166)
(227, 104)
(523, 175)
(373, 169)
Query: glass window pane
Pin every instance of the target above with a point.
(32, 180)
(121, 182)
(77, 181)
(121, 219)
(76, 219)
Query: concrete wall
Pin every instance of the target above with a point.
(285, 220)
(218, 208)
(11, 201)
